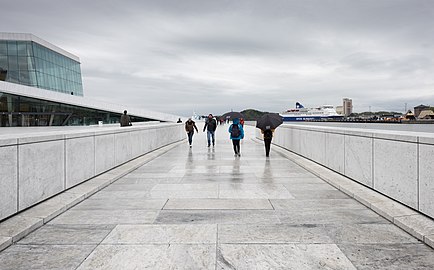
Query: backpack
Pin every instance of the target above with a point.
(268, 134)
(235, 132)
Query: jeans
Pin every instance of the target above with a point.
(209, 135)
(190, 137)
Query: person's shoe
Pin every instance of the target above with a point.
(235, 155)
(209, 145)
(239, 154)
(190, 146)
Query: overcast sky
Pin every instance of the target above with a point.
(212, 56)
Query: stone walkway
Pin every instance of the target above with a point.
(203, 208)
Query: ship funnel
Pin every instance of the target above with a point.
(298, 105)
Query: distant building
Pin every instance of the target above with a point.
(426, 114)
(41, 85)
(347, 106)
(419, 109)
(28, 60)
(340, 110)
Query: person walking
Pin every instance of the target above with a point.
(210, 126)
(125, 120)
(268, 136)
(237, 134)
(179, 120)
(190, 126)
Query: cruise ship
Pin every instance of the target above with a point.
(300, 113)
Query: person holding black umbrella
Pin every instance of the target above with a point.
(268, 123)
(268, 136)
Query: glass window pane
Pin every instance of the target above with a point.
(32, 78)
(3, 48)
(22, 63)
(24, 77)
(22, 49)
(29, 48)
(12, 48)
(31, 63)
(12, 76)
(4, 62)
(13, 62)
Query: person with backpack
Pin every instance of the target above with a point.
(211, 126)
(268, 136)
(237, 134)
(190, 126)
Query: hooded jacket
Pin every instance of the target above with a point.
(236, 121)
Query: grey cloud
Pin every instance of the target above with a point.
(179, 56)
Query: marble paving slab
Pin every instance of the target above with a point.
(19, 226)
(290, 256)
(115, 195)
(309, 186)
(318, 194)
(121, 204)
(272, 234)
(216, 204)
(330, 216)
(42, 257)
(163, 234)
(416, 225)
(68, 235)
(369, 234)
(106, 217)
(290, 180)
(129, 187)
(186, 187)
(316, 204)
(5, 242)
(389, 256)
(194, 194)
(217, 217)
(174, 256)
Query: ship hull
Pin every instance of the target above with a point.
(288, 118)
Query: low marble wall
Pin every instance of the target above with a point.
(395, 163)
(37, 166)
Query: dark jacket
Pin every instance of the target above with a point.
(210, 124)
(125, 121)
(190, 126)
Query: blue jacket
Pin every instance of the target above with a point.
(236, 121)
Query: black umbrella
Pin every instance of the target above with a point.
(269, 121)
(232, 115)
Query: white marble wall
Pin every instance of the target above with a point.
(397, 164)
(395, 170)
(8, 178)
(104, 152)
(426, 176)
(36, 167)
(41, 168)
(335, 152)
(359, 159)
(80, 159)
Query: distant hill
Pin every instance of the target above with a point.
(252, 115)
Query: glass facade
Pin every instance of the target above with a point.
(17, 111)
(31, 64)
